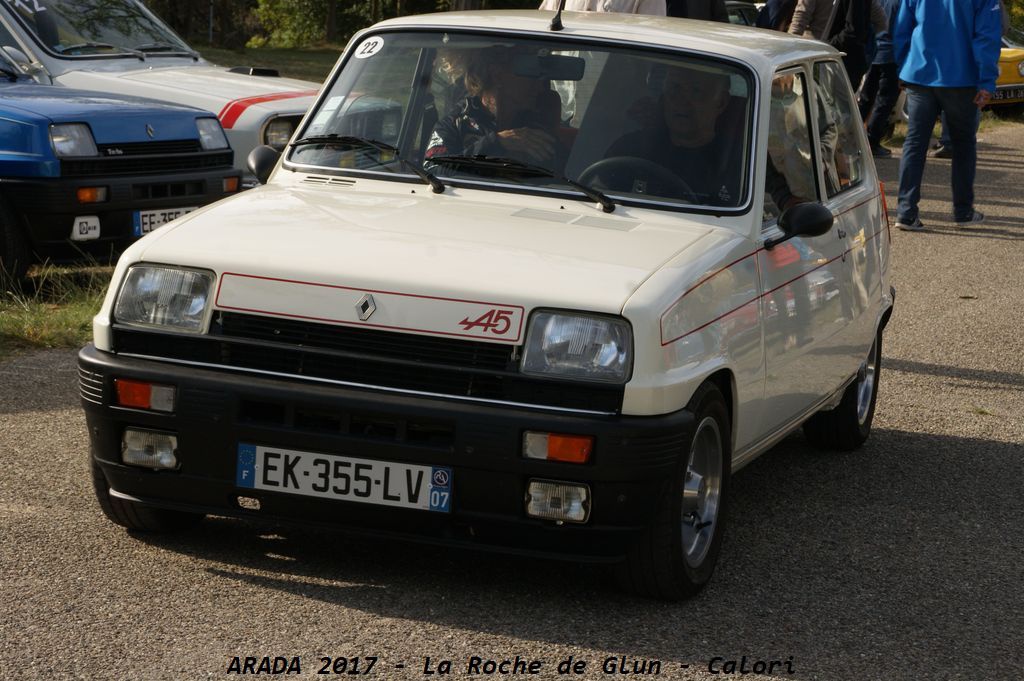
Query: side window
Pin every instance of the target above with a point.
(841, 152)
(790, 172)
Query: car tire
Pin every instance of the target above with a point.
(14, 249)
(135, 516)
(676, 555)
(846, 427)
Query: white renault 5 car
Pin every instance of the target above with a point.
(120, 47)
(511, 287)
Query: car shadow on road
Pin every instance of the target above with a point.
(892, 555)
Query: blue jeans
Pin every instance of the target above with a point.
(923, 107)
(944, 136)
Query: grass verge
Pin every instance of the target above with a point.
(53, 309)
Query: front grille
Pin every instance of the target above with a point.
(90, 386)
(134, 165)
(150, 148)
(368, 357)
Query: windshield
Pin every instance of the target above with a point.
(1014, 37)
(89, 28)
(509, 111)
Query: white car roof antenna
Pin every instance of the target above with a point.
(556, 23)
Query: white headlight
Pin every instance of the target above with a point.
(72, 139)
(277, 133)
(1020, 67)
(578, 346)
(165, 297)
(211, 135)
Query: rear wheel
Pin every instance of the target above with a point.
(135, 516)
(676, 556)
(848, 425)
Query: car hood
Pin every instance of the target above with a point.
(207, 87)
(461, 245)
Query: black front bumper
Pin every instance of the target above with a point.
(48, 208)
(632, 462)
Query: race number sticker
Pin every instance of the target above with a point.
(369, 47)
(86, 228)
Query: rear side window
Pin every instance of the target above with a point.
(842, 151)
(790, 170)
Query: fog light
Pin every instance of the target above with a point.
(149, 449)
(555, 447)
(92, 194)
(562, 501)
(230, 184)
(142, 395)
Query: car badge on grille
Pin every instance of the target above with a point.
(150, 131)
(365, 307)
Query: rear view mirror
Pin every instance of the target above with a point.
(548, 67)
(803, 219)
(261, 162)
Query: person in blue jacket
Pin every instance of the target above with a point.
(948, 55)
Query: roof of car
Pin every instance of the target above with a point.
(752, 45)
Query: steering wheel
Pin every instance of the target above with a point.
(631, 168)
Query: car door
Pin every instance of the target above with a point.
(853, 195)
(800, 278)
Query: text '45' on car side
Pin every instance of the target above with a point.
(83, 174)
(515, 288)
(121, 47)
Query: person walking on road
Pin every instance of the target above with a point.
(958, 77)
(881, 86)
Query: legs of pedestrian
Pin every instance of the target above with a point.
(961, 124)
(869, 90)
(888, 86)
(922, 109)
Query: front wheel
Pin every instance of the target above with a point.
(846, 427)
(676, 556)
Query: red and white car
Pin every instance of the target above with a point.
(123, 48)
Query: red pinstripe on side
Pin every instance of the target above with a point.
(233, 110)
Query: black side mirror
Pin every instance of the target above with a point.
(261, 162)
(803, 219)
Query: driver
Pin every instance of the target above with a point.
(685, 138)
(502, 115)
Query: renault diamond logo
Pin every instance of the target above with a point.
(365, 307)
(150, 131)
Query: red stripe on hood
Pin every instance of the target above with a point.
(231, 112)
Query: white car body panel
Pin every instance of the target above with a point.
(701, 292)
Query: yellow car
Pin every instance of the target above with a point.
(1010, 84)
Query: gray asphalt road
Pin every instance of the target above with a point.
(899, 561)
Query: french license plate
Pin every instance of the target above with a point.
(1008, 93)
(329, 476)
(145, 221)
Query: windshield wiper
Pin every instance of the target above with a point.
(100, 46)
(349, 141)
(165, 47)
(607, 205)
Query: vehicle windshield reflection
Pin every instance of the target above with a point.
(91, 28)
(655, 127)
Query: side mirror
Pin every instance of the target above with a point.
(32, 69)
(261, 162)
(803, 219)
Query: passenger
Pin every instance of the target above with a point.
(502, 115)
(685, 139)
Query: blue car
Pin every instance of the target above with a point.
(83, 174)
